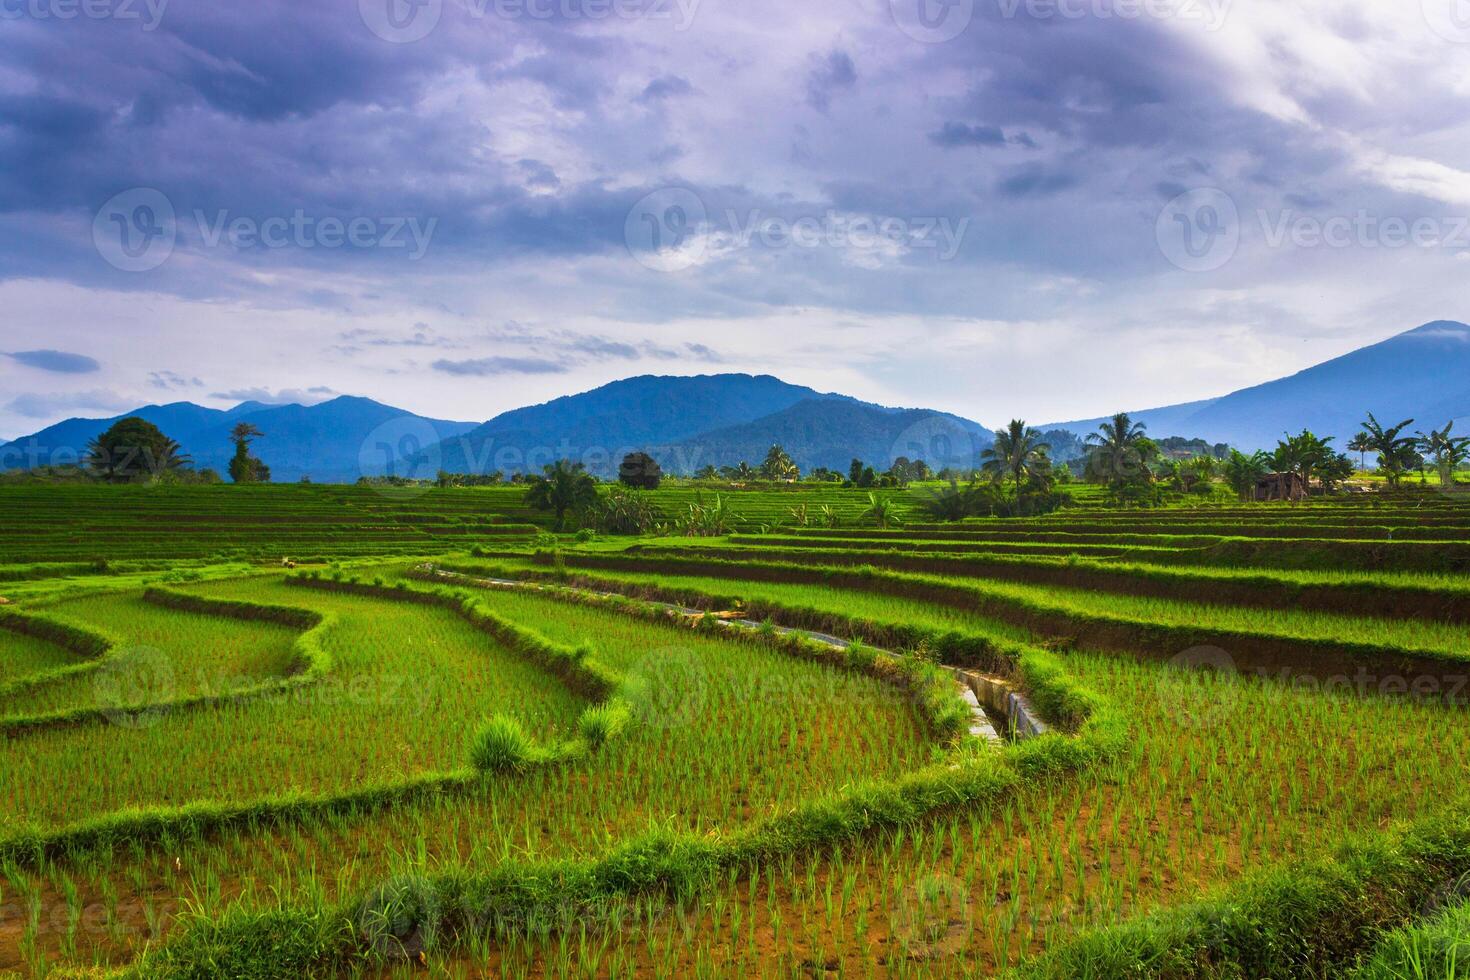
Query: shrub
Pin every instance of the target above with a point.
(500, 745)
(603, 722)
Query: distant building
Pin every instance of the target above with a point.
(1281, 486)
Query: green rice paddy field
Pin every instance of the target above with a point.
(447, 743)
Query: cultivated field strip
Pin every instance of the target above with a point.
(637, 780)
(1302, 647)
(575, 781)
(1016, 881)
(1434, 597)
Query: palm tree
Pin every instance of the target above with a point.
(778, 465)
(1359, 444)
(1018, 452)
(566, 486)
(1390, 446)
(1118, 451)
(1447, 452)
(1243, 472)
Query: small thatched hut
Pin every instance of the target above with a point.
(1281, 486)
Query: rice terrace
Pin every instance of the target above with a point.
(845, 490)
(1206, 738)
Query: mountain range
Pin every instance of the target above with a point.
(690, 422)
(1423, 374)
(331, 442)
(687, 423)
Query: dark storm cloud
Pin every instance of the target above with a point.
(531, 141)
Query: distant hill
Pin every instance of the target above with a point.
(690, 422)
(645, 412)
(335, 441)
(831, 433)
(1423, 374)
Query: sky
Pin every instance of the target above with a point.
(1050, 209)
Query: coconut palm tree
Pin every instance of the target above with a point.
(1359, 444)
(1018, 453)
(566, 486)
(1391, 447)
(1447, 452)
(779, 466)
(1118, 451)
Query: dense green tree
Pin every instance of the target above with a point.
(133, 449)
(1244, 472)
(564, 486)
(641, 471)
(1334, 470)
(245, 468)
(1303, 454)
